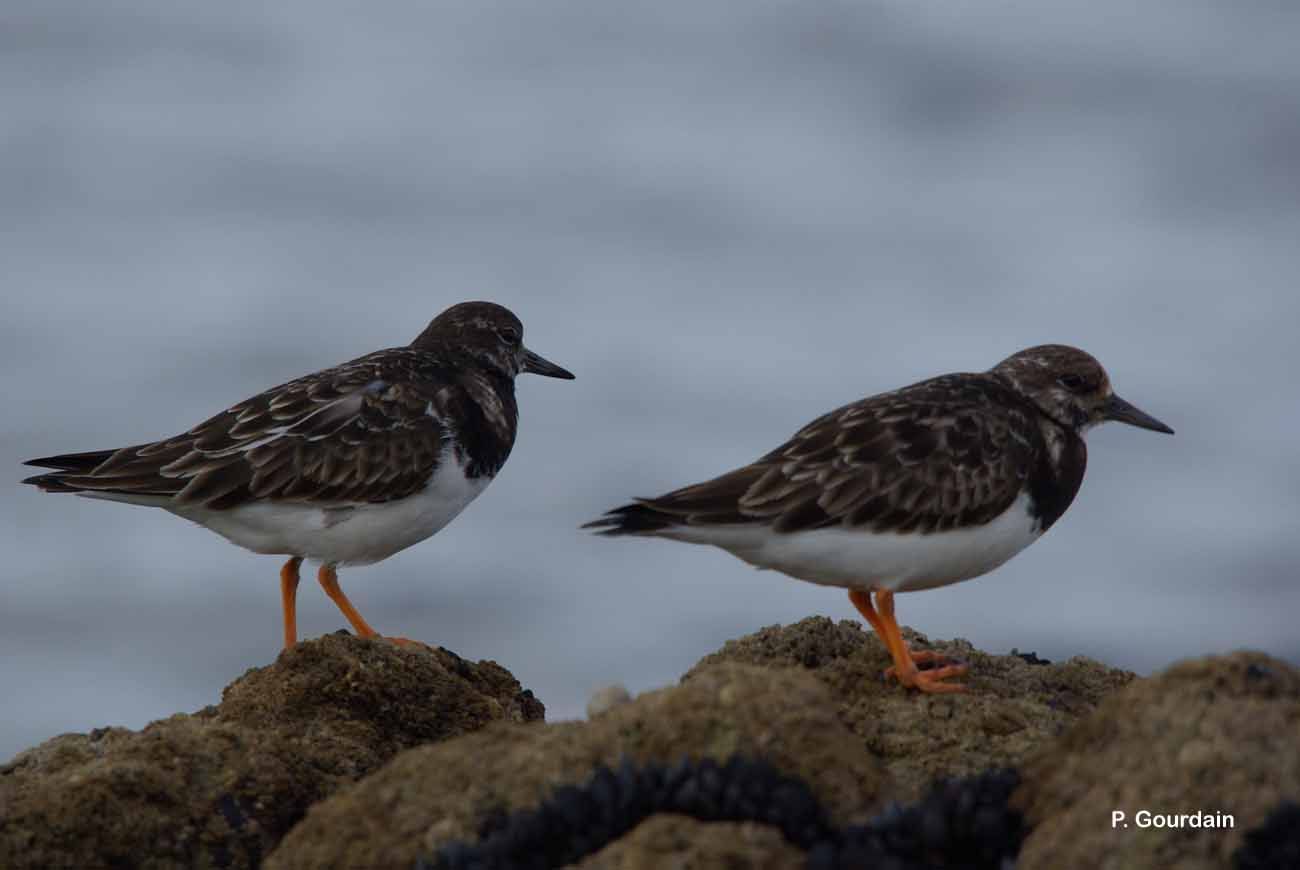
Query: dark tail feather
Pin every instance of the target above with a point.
(633, 519)
(68, 464)
(52, 483)
(715, 501)
(81, 462)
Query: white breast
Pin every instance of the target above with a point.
(358, 534)
(862, 560)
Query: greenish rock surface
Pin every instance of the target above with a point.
(1211, 735)
(1012, 707)
(354, 754)
(221, 787)
(434, 795)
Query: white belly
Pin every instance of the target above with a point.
(357, 534)
(858, 560)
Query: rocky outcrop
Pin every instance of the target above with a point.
(785, 747)
(221, 787)
(809, 699)
(1016, 703)
(450, 792)
(1212, 736)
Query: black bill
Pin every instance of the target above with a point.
(1122, 412)
(541, 366)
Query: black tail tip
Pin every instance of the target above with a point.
(606, 527)
(630, 519)
(50, 483)
(46, 462)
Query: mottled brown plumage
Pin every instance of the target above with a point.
(358, 432)
(923, 486)
(345, 466)
(945, 453)
(370, 430)
(921, 459)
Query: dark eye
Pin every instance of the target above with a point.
(510, 335)
(1072, 382)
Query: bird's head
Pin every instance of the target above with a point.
(492, 335)
(1071, 388)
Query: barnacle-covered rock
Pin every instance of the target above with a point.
(221, 787)
(1016, 702)
(1214, 735)
(544, 785)
(785, 748)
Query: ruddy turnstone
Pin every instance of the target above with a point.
(346, 466)
(921, 487)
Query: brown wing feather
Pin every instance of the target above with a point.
(938, 454)
(362, 432)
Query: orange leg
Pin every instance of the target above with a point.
(933, 676)
(905, 670)
(289, 599)
(862, 601)
(329, 581)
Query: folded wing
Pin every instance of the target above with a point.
(922, 459)
(362, 432)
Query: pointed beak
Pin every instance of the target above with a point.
(541, 366)
(1121, 411)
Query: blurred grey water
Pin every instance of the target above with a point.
(725, 219)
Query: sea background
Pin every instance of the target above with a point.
(725, 219)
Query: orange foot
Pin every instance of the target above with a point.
(930, 679)
(905, 668)
(329, 581)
